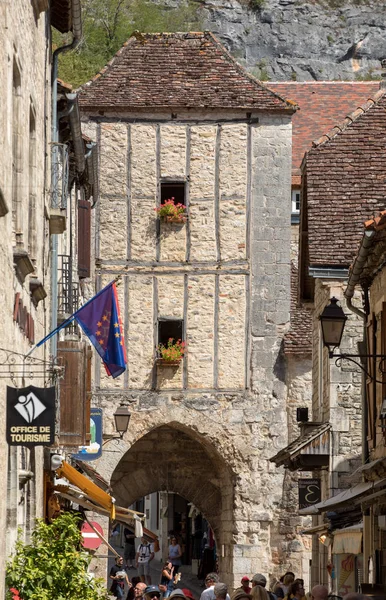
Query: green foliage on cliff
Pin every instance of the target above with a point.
(108, 24)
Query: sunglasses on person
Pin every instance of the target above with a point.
(154, 595)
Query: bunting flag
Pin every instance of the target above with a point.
(101, 321)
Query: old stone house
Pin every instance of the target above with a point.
(321, 105)
(24, 234)
(43, 158)
(176, 116)
(368, 273)
(340, 176)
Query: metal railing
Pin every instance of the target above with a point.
(60, 175)
(68, 292)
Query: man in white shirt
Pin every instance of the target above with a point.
(210, 581)
(143, 558)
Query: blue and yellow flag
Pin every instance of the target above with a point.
(101, 321)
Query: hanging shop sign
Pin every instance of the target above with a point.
(30, 416)
(94, 449)
(309, 492)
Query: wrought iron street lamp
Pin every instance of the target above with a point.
(333, 321)
(122, 419)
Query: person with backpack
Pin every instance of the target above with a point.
(143, 558)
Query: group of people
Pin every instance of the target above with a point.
(288, 588)
(141, 588)
(140, 559)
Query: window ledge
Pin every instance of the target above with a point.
(22, 262)
(161, 362)
(37, 290)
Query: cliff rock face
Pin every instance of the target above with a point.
(295, 40)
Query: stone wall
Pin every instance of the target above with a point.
(206, 429)
(337, 394)
(23, 51)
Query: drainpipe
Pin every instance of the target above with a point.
(77, 36)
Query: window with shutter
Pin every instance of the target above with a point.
(74, 414)
(84, 238)
(370, 382)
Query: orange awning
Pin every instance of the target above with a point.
(88, 487)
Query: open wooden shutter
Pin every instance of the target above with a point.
(74, 419)
(381, 371)
(84, 238)
(370, 382)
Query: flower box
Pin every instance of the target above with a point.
(161, 362)
(170, 212)
(171, 354)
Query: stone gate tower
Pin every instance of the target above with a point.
(176, 117)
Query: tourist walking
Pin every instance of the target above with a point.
(175, 554)
(259, 580)
(259, 593)
(282, 588)
(220, 591)
(167, 578)
(137, 590)
(245, 584)
(296, 591)
(319, 592)
(119, 577)
(129, 549)
(143, 558)
(210, 581)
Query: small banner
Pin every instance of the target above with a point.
(94, 449)
(309, 492)
(30, 416)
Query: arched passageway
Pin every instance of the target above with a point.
(174, 458)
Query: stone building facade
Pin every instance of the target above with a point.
(194, 123)
(24, 243)
(26, 224)
(331, 187)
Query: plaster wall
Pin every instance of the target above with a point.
(226, 272)
(23, 49)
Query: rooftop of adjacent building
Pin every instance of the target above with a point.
(322, 104)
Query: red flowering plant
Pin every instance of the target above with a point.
(172, 352)
(172, 212)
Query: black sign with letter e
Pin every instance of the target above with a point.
(309, 492)
(30, 416)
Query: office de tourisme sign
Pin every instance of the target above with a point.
(30, 416)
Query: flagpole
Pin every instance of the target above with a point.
(117, 281)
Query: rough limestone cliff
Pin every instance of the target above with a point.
(298, 40)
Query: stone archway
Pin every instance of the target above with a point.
(174, 458)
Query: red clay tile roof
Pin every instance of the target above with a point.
(298, 340)
(346, 183)
(174, 70)
(321, 104)
(376, 223)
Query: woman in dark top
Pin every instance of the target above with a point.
(167, 578)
